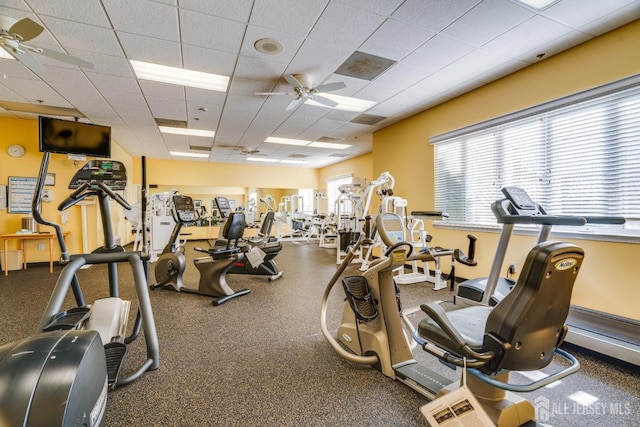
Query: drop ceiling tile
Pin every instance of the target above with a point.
(74, 35)
(395, 40)
(555, 46)
(437, 53)
(107, 83)
(150, 49)
(345, 26)
(433, 15)
(319, 66)
(166, 108)
(615, 19)
(237, 10)
(204, 96)
(261, 70)
(380, 7)
(290, 42)
(72, 10)
(208, 60)
(486, 21)
(11, 68)
(577, 13)
(105, 64)
(164, 90)
(143, 17)
(220, 34)
(527, 36)
(287, 16)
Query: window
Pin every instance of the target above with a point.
(307, 199)
(333, 192)
(579, 155)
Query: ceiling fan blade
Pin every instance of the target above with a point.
(295, 103)
(293, 81)
(273, 93)
(325, 101)
(64, 57)
(329, 87)
(26, 29)
(26, 59)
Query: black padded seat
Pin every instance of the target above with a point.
(470, 323)
(526, 326)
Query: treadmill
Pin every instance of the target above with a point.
(604, 333)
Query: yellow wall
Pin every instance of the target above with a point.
(608, 281)
(25, 133)
(360, 167)
(191, 173)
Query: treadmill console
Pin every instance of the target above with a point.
(519, 198)
(184, 209)
(94, 172)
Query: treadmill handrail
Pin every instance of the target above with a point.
(501, 207)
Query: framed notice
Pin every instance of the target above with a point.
(21, 191)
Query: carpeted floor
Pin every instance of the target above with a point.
(260, 360)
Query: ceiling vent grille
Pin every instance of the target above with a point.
(338, 155)
(298, 156)
(368, 119)
(364, 66)
(199, 148)
(172, 123)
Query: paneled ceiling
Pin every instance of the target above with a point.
(439, 49)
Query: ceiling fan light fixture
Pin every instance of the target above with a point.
(179, 76)
(187, 154)
(268, 46)
(286, 141)
(189, 132)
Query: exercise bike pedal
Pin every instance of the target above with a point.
(114, 352)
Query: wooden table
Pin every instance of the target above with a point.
(24, 237)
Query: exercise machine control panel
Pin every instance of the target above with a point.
(519, 198)
(110, 172)
(184, 209)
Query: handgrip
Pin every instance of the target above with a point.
(115, 196)
(470, 259)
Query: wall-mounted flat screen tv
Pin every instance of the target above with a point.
(69, 137)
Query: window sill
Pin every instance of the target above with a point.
(593, 233)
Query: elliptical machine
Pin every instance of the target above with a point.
(213, 269)
(61, 375)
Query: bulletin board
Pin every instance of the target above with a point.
(21, 190)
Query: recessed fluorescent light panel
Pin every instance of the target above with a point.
(286, 141)
(537, 4)
(5, 55)
(295, 162)
(264, 160)
(345, 103)
(319, 144)
(186, 154)
(185, 131)
(179, 76)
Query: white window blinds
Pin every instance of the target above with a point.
(579, 155)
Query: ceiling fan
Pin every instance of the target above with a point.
(303, 91)
(12, 35)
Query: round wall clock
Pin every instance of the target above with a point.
(16, 150)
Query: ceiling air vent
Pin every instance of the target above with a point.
(338, 155)
(327, 139)
(172, 123)
(364, 66)
(199, 148)
(298, 156)
(368, 119)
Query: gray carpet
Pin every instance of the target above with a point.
(260, 359)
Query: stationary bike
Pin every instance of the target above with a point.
(483, 340)
(268, 246)
(213, 268)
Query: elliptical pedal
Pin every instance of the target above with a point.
(114, 352)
